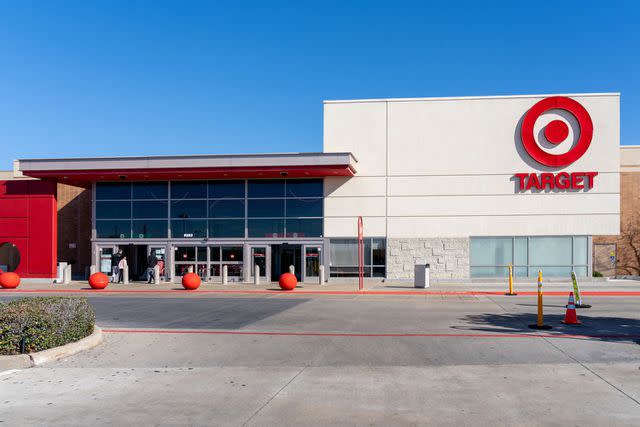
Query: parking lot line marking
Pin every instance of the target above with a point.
(367, 334)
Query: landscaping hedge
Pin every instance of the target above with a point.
(44, 322)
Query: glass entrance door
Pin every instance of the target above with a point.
(312, 261)
(104, 258)
(191, 259)
(259, 258)
(159, 253)
(282, 257)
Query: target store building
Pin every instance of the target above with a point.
(467, 185)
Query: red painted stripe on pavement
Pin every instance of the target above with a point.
(361, 334)
(312, 292)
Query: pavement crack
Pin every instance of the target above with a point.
(274, 396)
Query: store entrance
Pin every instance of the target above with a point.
(283, 256)
(136, 260)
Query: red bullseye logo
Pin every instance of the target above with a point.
(557, 131)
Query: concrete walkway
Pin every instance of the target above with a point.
(603, 287)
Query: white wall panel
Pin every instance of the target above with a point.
(355, 186)
(508, 225)
(348, 227)
(442, 185)
(354, 206)
(358, 128)
(522, 204)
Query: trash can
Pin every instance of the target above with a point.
(421, 276)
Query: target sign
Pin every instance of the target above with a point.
(557, 131)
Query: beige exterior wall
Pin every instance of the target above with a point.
(444, 168)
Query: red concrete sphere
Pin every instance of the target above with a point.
(191, 281)
(98, 281)
(288, 281)
(9, 280)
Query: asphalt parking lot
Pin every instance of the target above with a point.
(343, 360)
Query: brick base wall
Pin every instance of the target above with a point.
(74, 227)
(627, 262)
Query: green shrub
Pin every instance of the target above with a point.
(44, 322)
(597, 274)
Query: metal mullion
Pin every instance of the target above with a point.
(246, 212)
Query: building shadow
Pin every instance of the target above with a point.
(188, 313)
(596, 328)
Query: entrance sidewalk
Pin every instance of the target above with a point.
(603, 287)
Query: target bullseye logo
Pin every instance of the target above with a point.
(557, 131)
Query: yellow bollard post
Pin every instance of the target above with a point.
(511, 281)
(540, 322)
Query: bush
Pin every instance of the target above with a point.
(44, 322)
(597, 274)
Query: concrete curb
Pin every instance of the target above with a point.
(20, 361)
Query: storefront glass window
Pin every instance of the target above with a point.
(150, 209)
(304, 188)
(149, 229)
(117, 229)
(226, 189)
(213, 209)
(266, 227)
(266, 208)
(226, 228)
(226, 208)
(188, 190)
(150, 190)
(113, 191)
(304, 207)
(188, 228)
(113, 210)
(304, 227)
(343, 254)
(555, 256)
(266, 188)
(189, 209)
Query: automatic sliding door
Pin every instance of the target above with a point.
(191, 259)
(312, 261)
(259, 258)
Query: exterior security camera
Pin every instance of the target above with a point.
(122, 177)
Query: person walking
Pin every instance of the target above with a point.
(152, 261)
(122, 266)
(115, 270)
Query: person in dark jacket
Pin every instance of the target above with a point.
(115, 270)
(152, 261)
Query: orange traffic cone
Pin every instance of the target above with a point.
(571, 318)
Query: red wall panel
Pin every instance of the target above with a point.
(41, 229)
(14, 207)
(28, 219)
(14, 227)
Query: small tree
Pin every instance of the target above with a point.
(629, 247)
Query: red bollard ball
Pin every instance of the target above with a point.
(191, 281)
(98, 280)
(288, 281)
(9, 280)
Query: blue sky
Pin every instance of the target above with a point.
(140, 78)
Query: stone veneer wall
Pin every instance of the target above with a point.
(448, 258)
